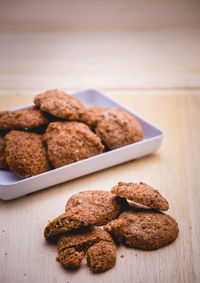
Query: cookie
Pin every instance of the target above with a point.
(101, 256)
(72, 246)
(25, 153)
(96, 207)
(82, 240)
(85, 209)
(70, 258)
(118, 128)
(64, 224)
(141, 193)
(28, 118)
(92, 115)
(3, 163)
(146, 230)
(68, 142)
(60, 104)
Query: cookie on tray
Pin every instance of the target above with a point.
(118, 128)
(141, 193)
(60, 104)
(146, 230)
(97, 207)
(28, 118)
(68, 142)
(101, 256)
(25, 153)
(92, 115)
(3, 163)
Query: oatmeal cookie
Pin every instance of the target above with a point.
(28, 118)
(64, 223)
(70, 258)
(118, 128)
(81, 240)
(92, 115)
(72, 246)
(68, 142)
(146, 230)
(101, 256)
(60, 104)
(3, 163)
(96, 207)
(141, 193)
(25, 153)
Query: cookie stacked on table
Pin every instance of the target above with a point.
(130, 214)
(60, 130)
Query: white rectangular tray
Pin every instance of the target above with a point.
(12, 186)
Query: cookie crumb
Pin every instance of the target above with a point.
(122, 256)
(3, 231)
(6, 254)
(24, 274)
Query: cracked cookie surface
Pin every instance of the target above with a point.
(92, 115)
(118, 128)
(81, 240)
(60, 104)
(147, 230)
(101, 256)
(68, 142)
(28, 118)
(70, 258)
(141, 193)
(73, 246)
(97, 207)
(25, 153)
(64, 223)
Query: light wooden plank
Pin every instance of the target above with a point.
(87, 15)
(26, 257)
(139, 61)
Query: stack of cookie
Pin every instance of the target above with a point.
(60, 130)
(130, 214)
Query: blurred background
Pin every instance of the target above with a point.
(126, 46)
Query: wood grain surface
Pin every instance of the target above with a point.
(114, 44)
(25, 255)
(146, 55)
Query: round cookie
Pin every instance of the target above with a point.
(68, 142)
(141, 193)
(101, 256)
(97, 207)
(28, 118)
(92, 115)
(82, 240)
(3, 163)
(118, 128)
(60, 104)
(147, 230)
(25, 153)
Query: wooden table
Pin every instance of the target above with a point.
(174, 170)
(147, 57)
